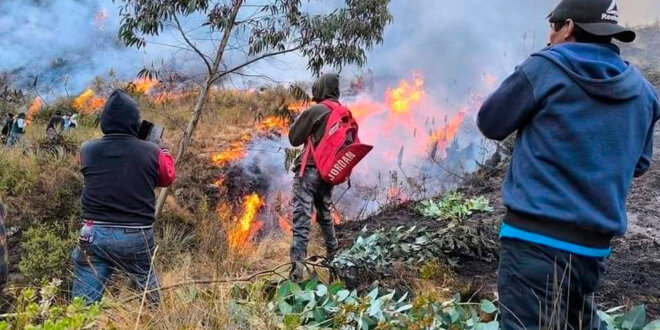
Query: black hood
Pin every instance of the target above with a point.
(121, 115)
(326, 87)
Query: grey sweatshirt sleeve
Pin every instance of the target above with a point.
(306, 124)
(508, 108)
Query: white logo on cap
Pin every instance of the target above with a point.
(612, 13)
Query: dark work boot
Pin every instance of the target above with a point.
(297, 272)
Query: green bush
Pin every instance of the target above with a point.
(453, 207)
(634, 319)
(318, 305)
(43, 311)
(45, 254)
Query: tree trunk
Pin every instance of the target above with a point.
(201, 102)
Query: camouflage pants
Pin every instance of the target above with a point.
(311, 192)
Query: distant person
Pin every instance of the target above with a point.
(73, 120)
(55, 126)
(4, 269)
(120, 174)
(310, 191)
(70, 121)
(17, 130)
(6, 127)
(584, 120)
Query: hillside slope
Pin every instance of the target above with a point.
(634, 265)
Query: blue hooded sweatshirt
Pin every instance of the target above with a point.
(585, 122)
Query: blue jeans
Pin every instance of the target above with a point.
(115, 249)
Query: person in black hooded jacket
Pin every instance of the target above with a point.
(120, 173)
(310, 191)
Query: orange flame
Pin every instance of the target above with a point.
(34, 108)
(172, 96)
(274, 123)
(298, 107)
(450, 130)
(87, 103)
(219, 182)
(336, 218)
(248, 225)
(285, 224)
(144, 85)
(402, 98)
(234, 153)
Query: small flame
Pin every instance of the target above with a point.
(402, 98)
(234, 153)
(248, 225)
(298, 107)
(490, 80)
(144, 85)
(87, 103)
(274, 123)
(172, 96)
(448, 133)
(285, 224)
(99, 19)
(336, 218)
(219, 182)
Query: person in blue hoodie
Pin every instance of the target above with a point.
(584, 120)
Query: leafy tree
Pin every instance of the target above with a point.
(271, 28)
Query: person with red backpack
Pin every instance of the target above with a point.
(332, 149)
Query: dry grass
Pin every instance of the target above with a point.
(191, 237)
(208, 306)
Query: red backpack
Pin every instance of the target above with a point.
(339, 150)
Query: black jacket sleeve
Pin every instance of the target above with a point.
(307, 124)
(508, 108)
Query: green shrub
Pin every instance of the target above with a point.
(46, 254)
(453, 207)
(43, 311)
(634, 319)
(315, 304)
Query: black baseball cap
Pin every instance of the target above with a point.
(598, 17)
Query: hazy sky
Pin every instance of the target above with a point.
(451, 42)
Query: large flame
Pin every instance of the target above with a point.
(87, 103)
(403, 123)
(402, 98)
(248, 224)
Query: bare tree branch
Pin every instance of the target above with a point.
(256, 59)
(183, 34)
